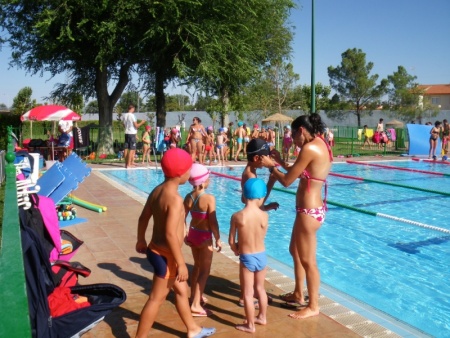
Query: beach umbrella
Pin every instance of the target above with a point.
(278, 118)
(51, 112)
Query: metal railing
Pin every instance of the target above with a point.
(15, 320)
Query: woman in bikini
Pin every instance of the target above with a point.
(196, 134)
(203, 226)
(312, 166)
(434, 137)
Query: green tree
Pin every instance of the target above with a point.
(406, 98)
(282, 78)
(300, 97)
(354, 84)
(99, 44)
(131, 96)
(22, 102)
(91, 107)
(249, 37)
(71, 100)
(95, 44)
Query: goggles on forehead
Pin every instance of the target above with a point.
(265, 146)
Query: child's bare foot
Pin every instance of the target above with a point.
(260, 321)
(304, 313)
(246, 328)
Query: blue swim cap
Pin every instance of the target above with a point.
(255, 188)
(240, 123)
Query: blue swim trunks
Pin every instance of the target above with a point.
(254, 262)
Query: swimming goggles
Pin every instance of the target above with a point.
(265, 146)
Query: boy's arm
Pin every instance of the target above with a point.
(273, 205)
(172, 221)
(144, 218)
(213, 223)
(232, 236)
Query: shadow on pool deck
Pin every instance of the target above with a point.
(108, 250)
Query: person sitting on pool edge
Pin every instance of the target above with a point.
(166, 207)
(250, 224)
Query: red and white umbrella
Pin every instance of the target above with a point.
(50, 112)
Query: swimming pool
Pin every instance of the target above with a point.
(396, 267)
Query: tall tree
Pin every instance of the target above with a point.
(96, 44)
(283, 78)
(405, 97)
(300, 97)
(354, 84)
(100, 44)
(249, 37)
(22, 102)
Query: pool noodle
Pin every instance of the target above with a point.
(345, 206)
(88, 205)
(93, 204)
(398, 168)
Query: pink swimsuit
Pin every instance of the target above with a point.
(319, 212)
(197, 237)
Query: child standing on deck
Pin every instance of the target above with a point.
(164, 250)
(221, 143)
(203, 226)
(146, 145)
(250, 224)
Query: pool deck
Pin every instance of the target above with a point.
(108, 250)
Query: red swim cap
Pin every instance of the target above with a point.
(175, 162)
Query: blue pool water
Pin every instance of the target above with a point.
(398, 268)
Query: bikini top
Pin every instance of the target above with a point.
(198, 130)
(307, 176)
(196, 213)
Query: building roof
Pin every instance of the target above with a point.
(439, 89)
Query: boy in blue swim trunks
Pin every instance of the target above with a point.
(165, 205)
(250, 224)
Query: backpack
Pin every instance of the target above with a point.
(66, 273)
(40, 284)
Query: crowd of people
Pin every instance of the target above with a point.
(248, 226)
(206, 145)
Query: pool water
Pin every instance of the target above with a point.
(396, 267)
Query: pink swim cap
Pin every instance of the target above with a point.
(174, 130)
(175, 162)
(148, 127)
(199, 174)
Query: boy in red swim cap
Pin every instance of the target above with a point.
(165, 205)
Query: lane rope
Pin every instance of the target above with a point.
(398, 168)
(349, 207)
(391, 184)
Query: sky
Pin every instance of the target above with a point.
(414, 34)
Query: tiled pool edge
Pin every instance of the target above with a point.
(358, 317)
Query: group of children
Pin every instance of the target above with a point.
(246, 239)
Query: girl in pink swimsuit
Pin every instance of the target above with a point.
(312, 166)
(202, 208)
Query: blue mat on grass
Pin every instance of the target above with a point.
(74, 221)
